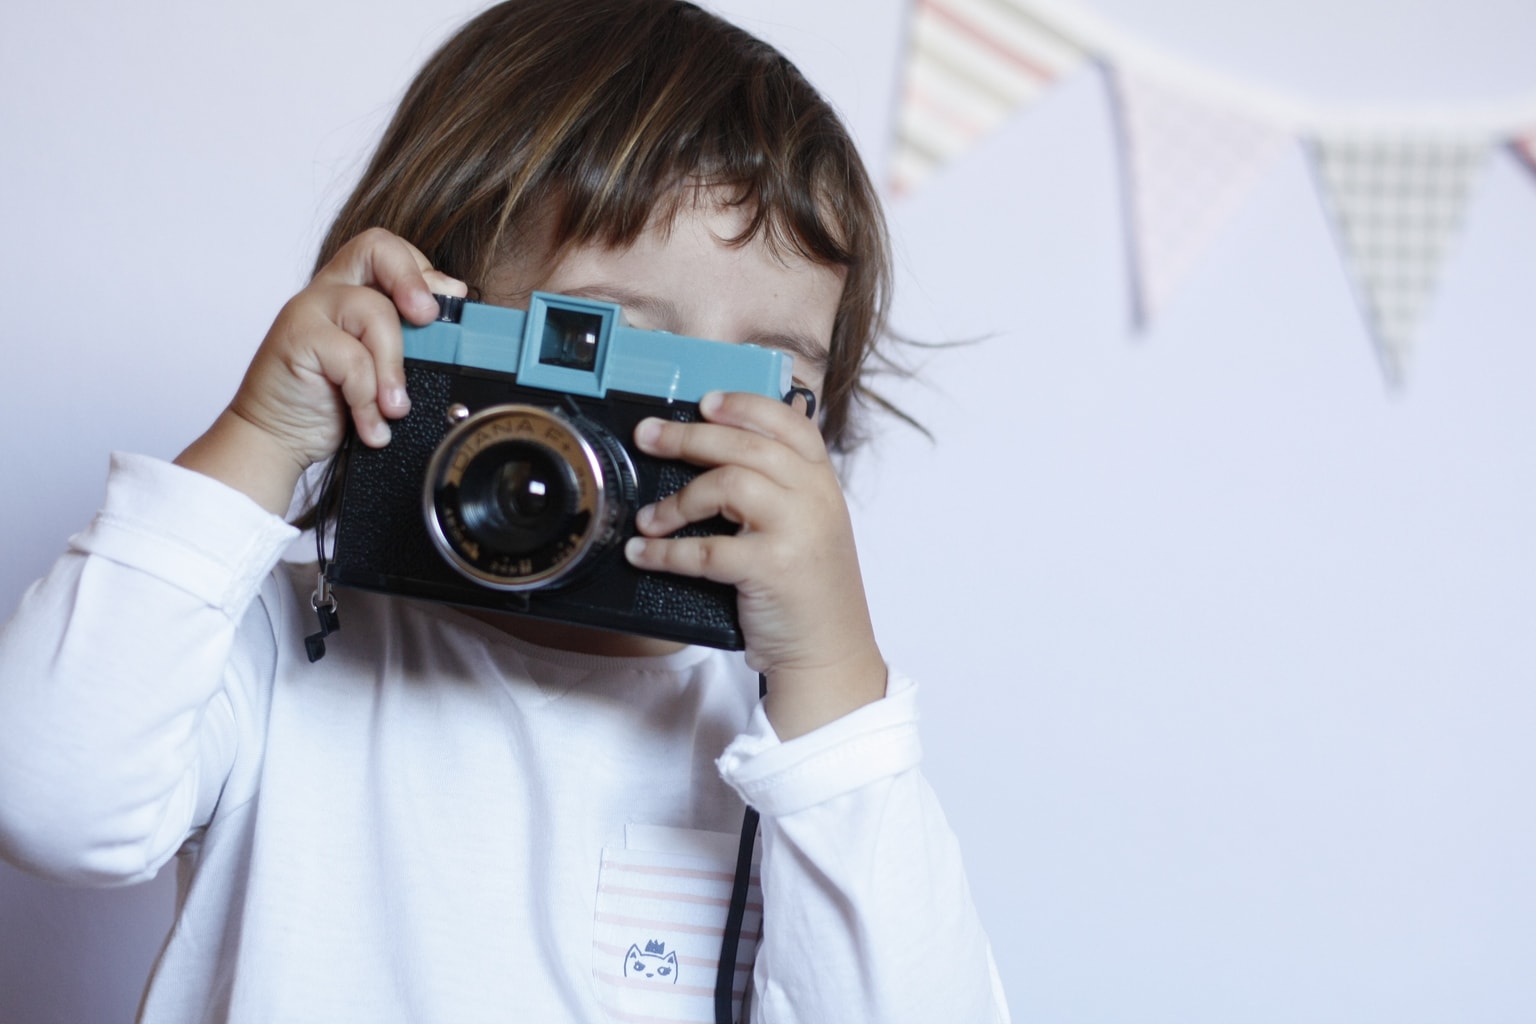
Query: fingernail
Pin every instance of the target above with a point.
(710, 402)
(647, 432)
(397, 398)
(381, 434)
(634, 548)
(644, 517)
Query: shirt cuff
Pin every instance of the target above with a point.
(186, 529)
(878, 741)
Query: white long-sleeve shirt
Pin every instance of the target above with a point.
(439, 822)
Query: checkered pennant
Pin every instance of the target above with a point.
(1189, 166)
(1396, 203)
(970, 64)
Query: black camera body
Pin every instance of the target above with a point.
(513, 482)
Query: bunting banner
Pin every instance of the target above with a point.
(1396, 205)
(971, 64)
(1395, 184)
(1190, 165)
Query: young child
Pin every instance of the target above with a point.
(473, 816)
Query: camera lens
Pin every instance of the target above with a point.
(522, 490)
(515, 498)
(519, 497)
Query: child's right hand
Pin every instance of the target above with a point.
(335, 350)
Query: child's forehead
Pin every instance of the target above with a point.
(709, 233)
(733, 211)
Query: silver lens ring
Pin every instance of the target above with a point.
(486, 473)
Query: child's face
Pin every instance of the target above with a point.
(687, 280)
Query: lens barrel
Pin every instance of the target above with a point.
(521, 497)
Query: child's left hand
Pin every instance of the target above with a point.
(799, 593)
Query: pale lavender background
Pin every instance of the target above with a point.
(1226, 650)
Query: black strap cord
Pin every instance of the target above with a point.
(322, 600)
(725, 974)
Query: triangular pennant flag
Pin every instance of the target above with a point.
(1396, 204)
(1188, 166)
(970, 63)
(1525, 149)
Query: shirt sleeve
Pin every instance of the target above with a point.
(867, 912)
(116, 725)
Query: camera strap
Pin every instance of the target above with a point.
(323, 601)
(324, 604)
(725, 971)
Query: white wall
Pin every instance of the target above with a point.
(1226, 656)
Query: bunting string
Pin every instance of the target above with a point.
(1394, 182)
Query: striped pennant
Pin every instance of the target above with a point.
(1396, 204)
(1189, 166)
(970, 64)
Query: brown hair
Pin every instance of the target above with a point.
(590, 116)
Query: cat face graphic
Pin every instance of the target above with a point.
(654, 963)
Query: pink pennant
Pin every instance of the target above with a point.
(1189, 166)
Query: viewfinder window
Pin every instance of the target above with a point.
(571, 338)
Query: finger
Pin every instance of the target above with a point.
(387, 262)
(777, 420)
(349, 365)
(442, 284)
(404, 288)
(370, 320)
(740, 495)
(713, 444)
(719, 558)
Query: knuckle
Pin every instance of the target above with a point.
(779, 559)
(706, 555)
(356, 366)
(667, 555)
(748, 445)
(359, 392)
(374, 237)
(370, 315)
(732, 477)
(673, 508)
(684, 507)
(732, 405)
(737, 491)
(672, 436)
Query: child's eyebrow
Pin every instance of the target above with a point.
(655, 309)
(806, 348)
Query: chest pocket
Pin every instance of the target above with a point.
(662, 901)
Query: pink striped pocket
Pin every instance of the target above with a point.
(661, 908)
